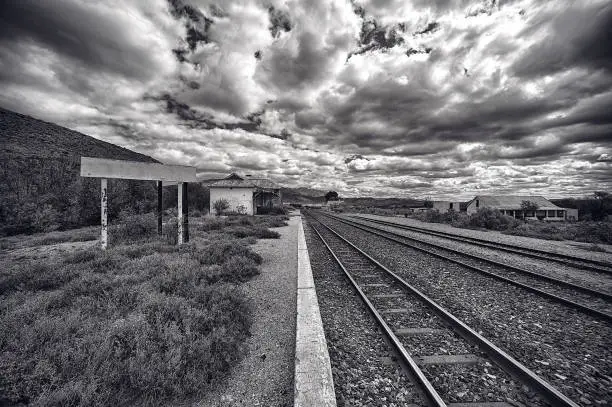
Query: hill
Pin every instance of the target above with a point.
(40, 185)
(302, 195)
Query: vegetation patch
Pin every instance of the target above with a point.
(492, 219)
(142, 323)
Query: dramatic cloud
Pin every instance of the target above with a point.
(368, 97)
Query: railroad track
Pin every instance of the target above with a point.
(587, 300)
(441, 353)
(573, 261)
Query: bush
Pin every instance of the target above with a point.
(221, 205)
(210, 223)
(46, 219)
(133, 227)
(127, 326)
(219, 251)
(276, 210)
(170, 231)
(257, 231)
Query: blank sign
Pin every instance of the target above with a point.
(105, 168)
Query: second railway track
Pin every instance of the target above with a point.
(561, 258)
(448, 359)
(590, 301)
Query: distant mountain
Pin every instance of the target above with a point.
(302, 195)
(40, 183)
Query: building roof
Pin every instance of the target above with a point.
(513, 202)
(236, 181)
(264, 183)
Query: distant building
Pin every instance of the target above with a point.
(246, 194)
(445, 206)
(511, 205)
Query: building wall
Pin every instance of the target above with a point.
(472, 208)
(445, 206)
(235, 197)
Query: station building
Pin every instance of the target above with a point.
(511, 205)
(247, 195)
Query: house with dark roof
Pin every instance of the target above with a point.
(247, 195)
(512, 205)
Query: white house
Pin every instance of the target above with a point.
(245, 195)
(511, 205)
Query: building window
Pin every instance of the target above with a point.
(477, 203)
(560, 214)
(551, 214)
(451, 205)
(529, 214)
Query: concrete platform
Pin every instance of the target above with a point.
(313, 381)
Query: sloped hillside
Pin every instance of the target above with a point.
(40, 186)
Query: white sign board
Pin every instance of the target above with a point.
(105, 168)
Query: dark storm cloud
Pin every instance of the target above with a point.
(579, 36)
(197, 26)
(380, 97)
(279, 21)
(374, 36)
(195, 119)
(287, 71)
(78, 31)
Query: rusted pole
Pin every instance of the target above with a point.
(104, 213)
(185, 212)
(159, 207)
(179, 213)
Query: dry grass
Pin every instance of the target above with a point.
(142, 323)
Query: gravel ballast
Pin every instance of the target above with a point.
(567, 348)
(573, 248)
(265, 376)
(576, 275)
(536, 279)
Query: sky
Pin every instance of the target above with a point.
(407, 98)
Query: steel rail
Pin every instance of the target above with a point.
(586, 309)
(507, 362)
(588, 290)
(430, 393)
(566, 259)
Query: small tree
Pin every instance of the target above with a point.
(528, 206)
(220, 205)
(331, 196)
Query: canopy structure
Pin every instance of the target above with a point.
(105, 168)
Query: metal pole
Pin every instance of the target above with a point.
(104, 213)
(179, 213)
(186, 211)
(159, 207)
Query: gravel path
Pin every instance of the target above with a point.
(364, 373)
(265, 376)
(569, 247)
(569, 349)
(587, 278)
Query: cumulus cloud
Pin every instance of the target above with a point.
(443, 98)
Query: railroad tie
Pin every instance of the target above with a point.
(417, 331)
(467, 359)
(374, 285)
(388, 296)
(395, 311)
